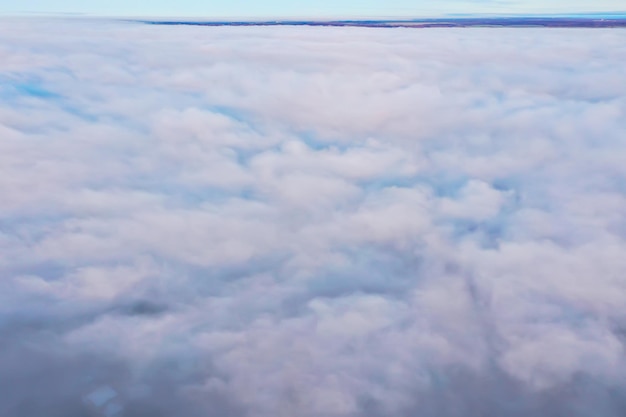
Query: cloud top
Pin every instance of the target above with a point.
(321, 222)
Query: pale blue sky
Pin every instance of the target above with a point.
(305, 8)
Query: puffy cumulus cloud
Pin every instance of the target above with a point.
(314, 222)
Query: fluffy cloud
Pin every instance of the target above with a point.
(316, 222)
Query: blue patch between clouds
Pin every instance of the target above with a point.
(35, 90)
(11, 89)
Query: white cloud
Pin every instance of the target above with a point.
(312, 221)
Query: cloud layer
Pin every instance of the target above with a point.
(314, 222)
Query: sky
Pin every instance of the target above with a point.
(306, 8)
(312, 222)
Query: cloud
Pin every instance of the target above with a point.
(321, 222)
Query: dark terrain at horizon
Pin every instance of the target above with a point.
(555, 22)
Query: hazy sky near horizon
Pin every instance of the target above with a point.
(250, 8)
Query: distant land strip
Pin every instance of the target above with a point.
(551, 22)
